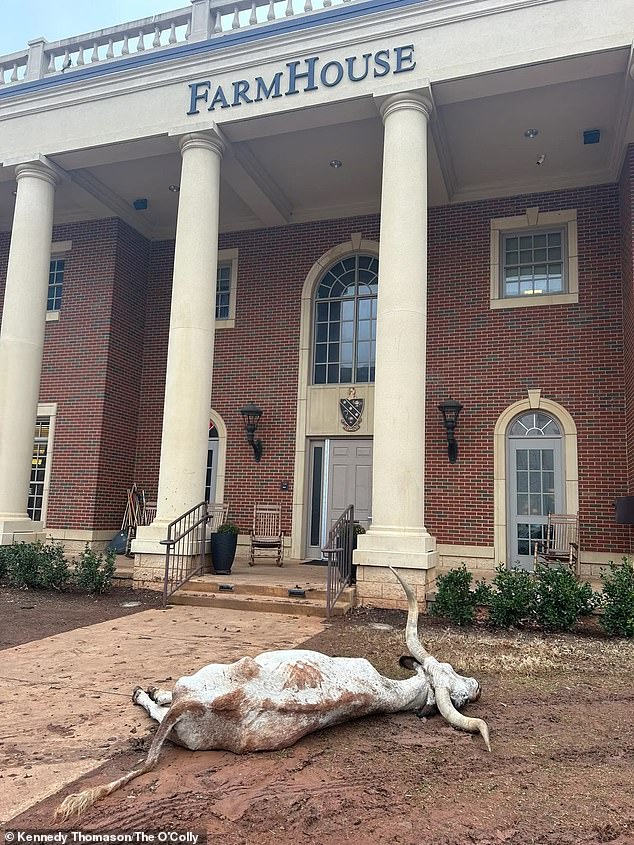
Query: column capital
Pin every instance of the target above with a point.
(407, 100)
(37, 169)
(208, 140)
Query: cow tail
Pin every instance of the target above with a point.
(79, 802)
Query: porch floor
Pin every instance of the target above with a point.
(294, 573)
(265, 588)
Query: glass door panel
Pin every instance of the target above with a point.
(536, 489)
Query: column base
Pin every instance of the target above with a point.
(19, 530)
(410, 551)
(410, 548)
(148, 571)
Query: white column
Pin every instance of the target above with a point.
(398, 536)
(191, 338)
(22, 341)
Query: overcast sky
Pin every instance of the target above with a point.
(23, 20)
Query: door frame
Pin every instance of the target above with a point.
(221, 428)
(533, 401)
(532, 443)
(309, 550)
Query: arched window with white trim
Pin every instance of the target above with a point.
(536, 482)
(344, 322)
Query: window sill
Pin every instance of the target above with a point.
(226, 324)
(533, 301)
(52, 316)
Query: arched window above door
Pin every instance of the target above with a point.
(344, 346)
(536, 482)
(535, 424)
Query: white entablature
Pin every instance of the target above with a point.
(489, 65)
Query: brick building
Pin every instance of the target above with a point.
(386, 204)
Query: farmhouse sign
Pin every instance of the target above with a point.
(299, 77)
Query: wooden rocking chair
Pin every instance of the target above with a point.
(217, 513)
(560, 546)
(267, 537)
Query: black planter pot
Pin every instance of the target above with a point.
(223, 552)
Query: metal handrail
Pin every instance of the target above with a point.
(338, 550)
(185, 544)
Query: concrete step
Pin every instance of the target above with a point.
(123, 573)
(258, 602)
(224, 584)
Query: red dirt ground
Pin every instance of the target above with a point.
(561, 713)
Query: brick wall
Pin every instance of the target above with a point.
(91, 368)
(626, 190)
(486, 359)
(256, 361)
(489, 359)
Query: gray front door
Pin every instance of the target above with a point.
(350, 479)
(536, 486)
(341, 475)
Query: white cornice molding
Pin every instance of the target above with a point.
(235, 59)
(508, 189)
(332, 212)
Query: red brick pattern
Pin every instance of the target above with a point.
(626, 189)
(90, 370)
(255, 361)
(105, 362)
(489, 359)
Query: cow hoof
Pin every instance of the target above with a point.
(136, 693)
(152, 691)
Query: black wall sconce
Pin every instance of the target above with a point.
(251, 415)
(450, 409)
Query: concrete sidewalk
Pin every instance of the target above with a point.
(67, 700)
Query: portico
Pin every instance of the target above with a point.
(209, 183)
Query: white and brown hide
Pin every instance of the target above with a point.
(271, 701)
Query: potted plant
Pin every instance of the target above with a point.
(223, 548)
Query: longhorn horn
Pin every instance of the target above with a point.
(443, 698)
(412, 640)
(459, 720)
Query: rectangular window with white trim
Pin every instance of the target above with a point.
(534, 259)
(56, 271)
(226, 288)
(533, 263)
(39, 482)
(55, 284)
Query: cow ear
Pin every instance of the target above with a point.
(408, 662)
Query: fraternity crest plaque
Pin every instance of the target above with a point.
(351, 411)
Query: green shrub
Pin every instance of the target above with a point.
(36, 565)
(511, 598)
(559, 599)
(483, 593)
(618, 599)
(4, 560)
(228, 528)
(94, 572)
(454, 599)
